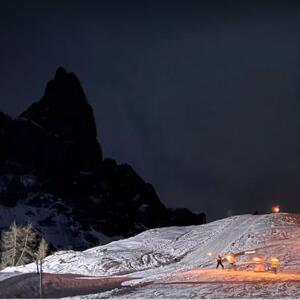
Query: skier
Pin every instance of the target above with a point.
(219, 262)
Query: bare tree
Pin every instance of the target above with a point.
(18, 245)
(28, 246)
(41, 254)
(10, 246)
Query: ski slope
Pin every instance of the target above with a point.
(160, 256)
(171, 249)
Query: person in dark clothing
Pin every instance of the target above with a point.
(219, 262)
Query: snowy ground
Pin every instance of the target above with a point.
(218, 284)
(173, 262)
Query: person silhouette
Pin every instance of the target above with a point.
(219, 262)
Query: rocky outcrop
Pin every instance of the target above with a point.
(55, 142)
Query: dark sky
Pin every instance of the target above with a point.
(203, 100)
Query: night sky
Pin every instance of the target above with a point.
(203, 100)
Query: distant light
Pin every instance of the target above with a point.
(229, 258)
(250, 252)
(275, 209)
(274, 262)
(257, 259)
(209, 254)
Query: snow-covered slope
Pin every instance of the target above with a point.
(49, 215)
(167, 250)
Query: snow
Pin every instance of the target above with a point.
(24, 213)
(60, 230)
(143, 207)
(50, 217)
(28, 180)
(6, 275)
(173, 262)
(37, 125)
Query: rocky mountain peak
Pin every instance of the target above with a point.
(64, 109)
(52, 175)
(63, 124)
(60, 73)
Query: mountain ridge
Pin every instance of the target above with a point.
(52, 166)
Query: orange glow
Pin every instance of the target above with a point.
(275, 209)
(274, 264)
(209, 254)
(231, 258)
(257, 259)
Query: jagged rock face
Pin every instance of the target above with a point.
(6, 125)
(52, 174)
(64, 111)
(61, 128)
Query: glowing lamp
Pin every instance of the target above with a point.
(275, 209)
(274, 263)
(257, 259)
